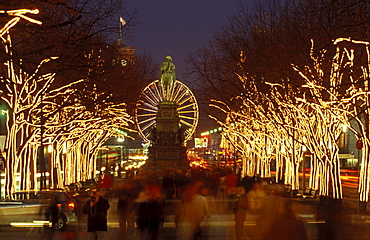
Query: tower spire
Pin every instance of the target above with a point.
(119, 41)
(120, 30)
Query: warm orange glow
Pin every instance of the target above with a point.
(70, 136)
(285, 122)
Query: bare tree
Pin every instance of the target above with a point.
(271, 35)
(42, 114)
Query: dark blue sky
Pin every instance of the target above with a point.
(178, 27)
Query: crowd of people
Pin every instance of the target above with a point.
(143, 197)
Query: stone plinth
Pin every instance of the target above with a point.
(167, 119)
(161, 157)
(167, 150)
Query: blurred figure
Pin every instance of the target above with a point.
(331, 211)
(193, 209)
(257, 198)
(247, 182)
(213, 182)
(96, 209)
(168, 184)
(198, 174)
(231, 183)
(52, 215)
(52, 212)
(279, 221)
(181, 181)
(107, 181)
(240, 216)
(149, 211)
(222, 186)
(125, 206)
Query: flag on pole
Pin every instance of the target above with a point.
(123, 22)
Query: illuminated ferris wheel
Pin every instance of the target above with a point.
(146, 107)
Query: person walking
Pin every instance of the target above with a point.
(126, 206)
(240, 216)
(168, 184)
(96, 209)
(191, 212)
(150, 212)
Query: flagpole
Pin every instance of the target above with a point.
(120, 29)
(122, 23)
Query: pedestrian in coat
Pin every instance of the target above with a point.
(97, 209)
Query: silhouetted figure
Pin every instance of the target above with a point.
(240, 216)
(231, 183)
(52, 212)
(329, 210)
(149, 213)
(213, 182)
(247, 182)
(125, 206)
(198, 174)
(168, 184)
(181, 181)
(279, 221)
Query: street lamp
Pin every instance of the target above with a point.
(118, 166)
(304, 149)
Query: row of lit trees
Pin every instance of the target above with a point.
(41, 116)
(280, 108)
(287, 124)
(273, 35)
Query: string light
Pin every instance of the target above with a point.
(72, 134)
(281, 125)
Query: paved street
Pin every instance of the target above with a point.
(218, 226)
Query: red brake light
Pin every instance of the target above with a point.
(71, 205)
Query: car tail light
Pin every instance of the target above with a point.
(71, 205)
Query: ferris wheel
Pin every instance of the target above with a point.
(146, 107)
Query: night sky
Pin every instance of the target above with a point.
(178, 27)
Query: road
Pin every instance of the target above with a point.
(219, 226)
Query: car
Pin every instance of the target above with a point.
(34, 207)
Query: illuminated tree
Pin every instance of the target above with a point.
(76, 132)
(71, 122)
(356, 99)
(314, 120)
(74, 29)
(261, 133)
(21, 94)
(344, 102)
(327, 89)
(273, 34)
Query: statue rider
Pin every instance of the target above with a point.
(167, 76)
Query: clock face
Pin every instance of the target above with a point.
(123, 62)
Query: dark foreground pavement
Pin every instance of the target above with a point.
(219, 226)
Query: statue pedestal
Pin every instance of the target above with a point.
(161, 157)
(167, 117)
(167, 150)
